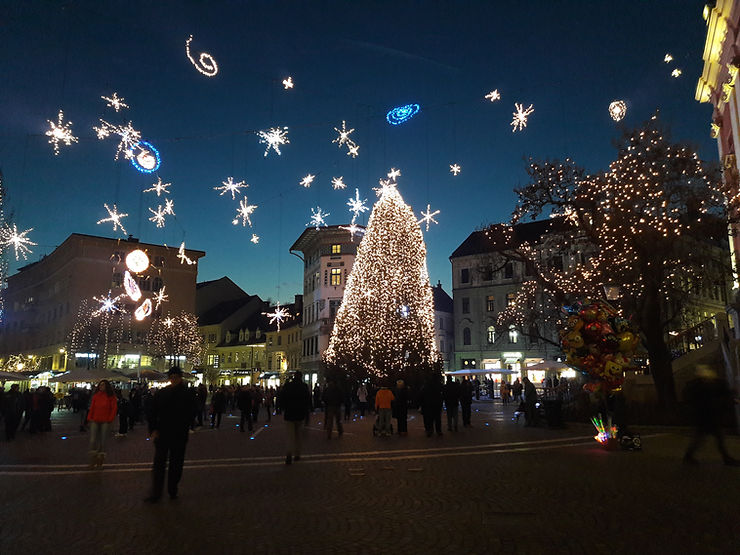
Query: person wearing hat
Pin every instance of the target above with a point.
(170, 416)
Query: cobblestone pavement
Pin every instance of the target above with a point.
(495, 488)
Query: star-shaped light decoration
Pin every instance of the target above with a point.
(394, 173)
(10, 236)
(386, 186)
(107, 304)
(353, 229)
(169, 207)
(115, 217)
(278, 315)
(667, 58)
(245, 210)
(158, 216)
(130, 137)
(520, 117)
(273, 138)
(159, 298)
(60, 132)
(115, 102)
(255, 238)
(343, 137)
(494, 95)
(317, 218)
(455, 169)
(356, 205)
(169, 322)
(288, 83)
(184, 259)
(306, 181)
(229, 186)
(337, 183)
(676, 73)
(353, 150)
(428, 217)
(158, 187)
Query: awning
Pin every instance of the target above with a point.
(84, 375)
(268, 375)
(14, 377)
(548, 365)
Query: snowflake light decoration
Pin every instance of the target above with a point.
(144, 310)
(278, 315)
(169, 322)
(357, 206)
(184, 259)
(255, 238)
(386, 187)
(337, 183)
(494, 95)
(115, 217)
(244, 211)
(10, 236)
(229, 186)
(107, 304)
(394, 173)
(158, 216)
(205, 63)
(60, 132)
(317, 218)
(130, 137)
(520, 117)
(288, 83)
(353, 229)
(353, 151)
(306, 181)
(115, 102)
(169, 207)
(428, 217)
(455, 169)
(273, 138)
(159, 298)
(343, 137)
(617, 110)
(676, 73)
(158, 187)
(667, 58)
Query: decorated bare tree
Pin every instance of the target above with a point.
(171, 337)
(100, 329)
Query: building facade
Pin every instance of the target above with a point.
(444, 326)
(44, 300)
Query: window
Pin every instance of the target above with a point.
(465, 275)
(442, 345)
(466, 336)
(159, 261)
(488, 273)
(336, 275)
(510, 299)
(509, 270)
(213, 361)
(280, 339)
(556, 263)
(491, 335)
(466, 305)
(336, 249)
(117, 280)
(145, 283)
(158, 284)
(333, 307)
(513, 335)
(534, 334)
(211, 337)
(490, 303)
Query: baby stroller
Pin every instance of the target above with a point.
(376, 426)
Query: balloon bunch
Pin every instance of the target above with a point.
(598, 341)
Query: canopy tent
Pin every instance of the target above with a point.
(14, 377)
(80, 375)
(475, 371)
(548, 365)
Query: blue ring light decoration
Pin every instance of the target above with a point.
(150, 160)
(401, 114)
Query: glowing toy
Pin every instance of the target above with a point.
(278, 315)
(115, 102)
(131, 287)
(107, 304)
(493, 96)
(144, 157)
(306, 181)
(160, 297)
(401, 114)
(317, 218)
(617, 110)
(158, 187)
(60, 132)
(144, 310)
(273, 138)
(115, 217)
(229, 186)
(455, 169)
(137, 261)
(428, 217)
(182, 256)
(337, 183)
(288, 83)
(205, 63)
(520, 117)
(10, 236)
(244, 211)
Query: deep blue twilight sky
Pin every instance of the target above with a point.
(351, 60)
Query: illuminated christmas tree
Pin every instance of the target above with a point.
(385, 325)
(171, 337)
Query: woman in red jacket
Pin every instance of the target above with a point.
(102, 412)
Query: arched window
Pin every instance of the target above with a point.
(158, 283)
(491, 335)
(513, 334)
(466, 336)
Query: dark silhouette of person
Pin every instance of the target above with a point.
(451, 394)
(466, 400)
(170, 417)
(218, 406)
(244, 403)
(295, 399)
(530, 402)
(401, 407)
(12, 407)
(332, 398)
(430, 402)
(709, 397)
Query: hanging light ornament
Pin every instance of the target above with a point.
(115, 102)
(617, 110)
(158, 187)
(306, 181)
(338, 183)
(10, 236)
(494, 95)
(229, 186)
(401, 114)
(317, 218)
(455, 169)
(184, 259)
(144, 157)
(144, 310)
(428, 217)
(115, 218)
(520, 117)
(288, 83)
(205, 63)
(60, 132)
(160, 297)
(137, 261)
(244, 212)
(131, 287)
(273, 138)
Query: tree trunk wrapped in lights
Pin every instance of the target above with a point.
(385, 325)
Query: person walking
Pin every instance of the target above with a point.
(710, 398)
(244, 403)
(295, 400)
(218, 406)
(451, 394)
(516, 390)
(12, 408)
(170, 416)
(530, 403)
(383, 404)
(362, 399)
(102, 412)
(332, 398)
(430, 402)
(466, 401)
(401, 407)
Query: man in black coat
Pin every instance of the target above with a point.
(170, 416)
(430, 402)
(244, 402)
(451, 394)
(12, 407)
(295, 399)
(333, 396)
(466, 400)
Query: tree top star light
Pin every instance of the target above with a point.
(428, 217)
(229, 186)
(273, 138)
(520, 117)
(60, 132)
(494, 95)
(244, 212)
(394, 173)
(205, 64)
(115, 102)
(158, 187)
(115, 218)
(10, 236)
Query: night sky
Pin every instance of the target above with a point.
(351, 60)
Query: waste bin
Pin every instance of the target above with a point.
(554, 413)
